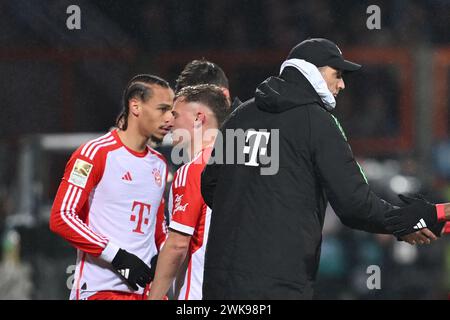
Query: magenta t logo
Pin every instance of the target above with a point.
(143, 207)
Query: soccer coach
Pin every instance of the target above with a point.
(266, 230)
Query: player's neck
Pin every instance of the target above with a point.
(195, 148)
(133, 140)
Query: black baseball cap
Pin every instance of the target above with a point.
(322, 52)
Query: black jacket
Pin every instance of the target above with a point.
(266, 230)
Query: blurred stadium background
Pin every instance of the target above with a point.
(58, 87)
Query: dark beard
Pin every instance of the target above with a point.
(156, 141)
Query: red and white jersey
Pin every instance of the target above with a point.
(191, 215)
(440, 208)
(110, 195)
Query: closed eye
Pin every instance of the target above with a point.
(164, 107)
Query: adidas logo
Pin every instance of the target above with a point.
(124, 272)
(127, 176)
(420, 225)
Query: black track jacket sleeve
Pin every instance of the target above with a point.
(341, 176)
(209, 179)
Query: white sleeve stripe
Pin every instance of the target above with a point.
(93, 141)
(87, 145)
(101, 146)
(185, 173)
(77, 221)
(185, 168)
(181, 227)
(180, 175)
(93, 145)
(72, 195)
(69, 190)
(69, 223)
(96, 141)
(72, 214)
(177, 180)
(179, 171)
(80, 223)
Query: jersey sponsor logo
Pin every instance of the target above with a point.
(141, 219)
(80, 173)
(157, 175)
(178, 205)
(256, 146)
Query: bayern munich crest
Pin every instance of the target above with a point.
(157, 175)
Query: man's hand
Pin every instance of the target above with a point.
(132, 269)
(170, 259)
(416, 215)
(424, 236)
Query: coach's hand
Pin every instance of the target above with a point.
(423, 236)
(132, 269)
(416, 215)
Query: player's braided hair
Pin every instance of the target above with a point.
(201, 72)
(208, 94)
(138, 87)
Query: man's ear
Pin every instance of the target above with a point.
(226, 92)
(200, 119)
(135, 106)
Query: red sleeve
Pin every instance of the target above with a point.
(446, 229)
(161, 227)
(69, 214)
(187, 199)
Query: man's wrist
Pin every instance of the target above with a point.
(109, 252)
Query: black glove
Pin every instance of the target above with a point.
(132, 269)
(437, 228)
(417, 214)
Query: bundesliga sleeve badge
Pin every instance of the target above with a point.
(80, 173)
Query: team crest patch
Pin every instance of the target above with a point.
(157, 175)
(80, 173)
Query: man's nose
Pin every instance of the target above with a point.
(341, 84)
(168, 118)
